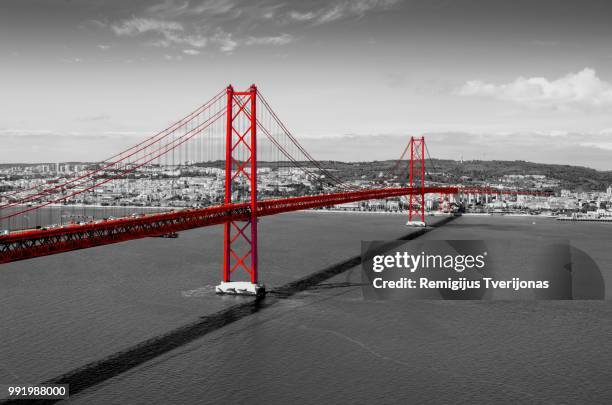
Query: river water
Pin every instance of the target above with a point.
(324, 345)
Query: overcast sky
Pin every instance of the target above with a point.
(83, 78)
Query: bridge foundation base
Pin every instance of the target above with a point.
(416, 223)
(240, 288)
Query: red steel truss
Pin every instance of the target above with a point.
(240, 235)
(416, 181)
(40, 242)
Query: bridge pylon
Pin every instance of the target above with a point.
(240, 237)
(416, 182)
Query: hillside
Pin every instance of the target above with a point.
(571, 177)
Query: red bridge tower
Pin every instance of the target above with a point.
(416, 182)
(240, 237)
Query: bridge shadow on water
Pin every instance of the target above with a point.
(329, 286)
(104, 369)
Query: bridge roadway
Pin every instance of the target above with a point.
(28, 244)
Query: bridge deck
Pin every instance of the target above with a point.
(41, 242)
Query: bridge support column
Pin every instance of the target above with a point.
(240, 237)
(416, 182)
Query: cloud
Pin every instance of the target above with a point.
(95, 24)
(136, 26)
(363, 6)
(333, 14)
(170, 7)
(171, 57)
(224, 40)
(21, 132)
(195, 40)
(214, 7)
(72, 60)
(104, 47)
(98, 117)
(174, 8)
(172, 32)
(604, 146)
(191, 52)
(278, 40)
(182, 24)
(582, 90)
(340, 9)
(297, 16)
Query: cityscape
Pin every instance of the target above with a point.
(194, 185)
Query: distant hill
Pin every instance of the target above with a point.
(571, 177)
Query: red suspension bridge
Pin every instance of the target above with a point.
(226, 138)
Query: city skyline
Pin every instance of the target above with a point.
(482, 80)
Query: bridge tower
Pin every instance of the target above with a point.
(416, 181)
(240, 237)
